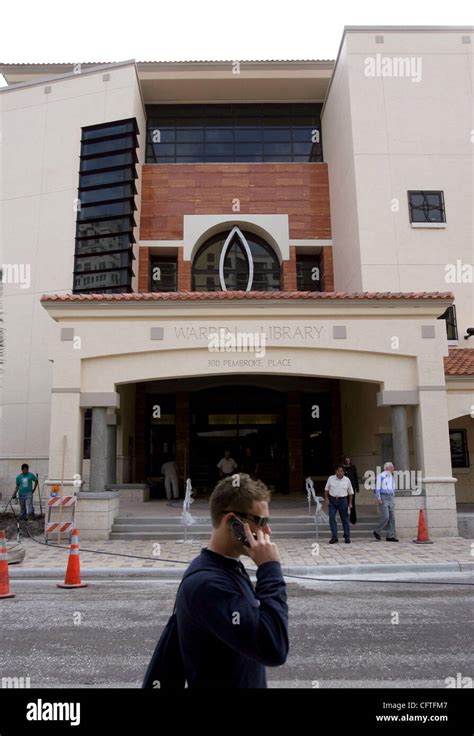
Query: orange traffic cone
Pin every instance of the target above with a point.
(4, 576)
(422, 531)
(73, 572)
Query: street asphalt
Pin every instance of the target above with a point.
(391, 634)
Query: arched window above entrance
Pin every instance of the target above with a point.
(236, 260)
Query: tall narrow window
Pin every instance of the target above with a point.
(106, 205)
(451, 324)
(86, 447)
(308, 272)
(163, 273)
(459, 448)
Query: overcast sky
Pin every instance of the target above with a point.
(147, 30)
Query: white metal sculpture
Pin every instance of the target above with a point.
(228, 242)
(310, 492)
(186, 517)
(319, 514)
(77, 483)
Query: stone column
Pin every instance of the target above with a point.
(97, 507)
(111, 465)
(409, 498)
(431, 422)
(400, 438)
(435, 494)
(97, 478)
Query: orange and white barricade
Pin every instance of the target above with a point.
(57, 507)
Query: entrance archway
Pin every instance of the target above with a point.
(292, 425)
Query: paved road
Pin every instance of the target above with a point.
(342, 634)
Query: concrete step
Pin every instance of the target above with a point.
(206, 521)
(165, 529)
(179, 534)
(206, 528)
(171, 528)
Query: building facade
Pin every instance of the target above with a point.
(276, 255)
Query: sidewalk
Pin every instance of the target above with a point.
(301, 556)
(294, 554)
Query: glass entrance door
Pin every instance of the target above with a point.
(161, 415)
(234, 418)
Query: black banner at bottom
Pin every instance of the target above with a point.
(71, 711)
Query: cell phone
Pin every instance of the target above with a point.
(238, 529)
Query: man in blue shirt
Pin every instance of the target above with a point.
(26, 485)
(385, 495)
(229, 631)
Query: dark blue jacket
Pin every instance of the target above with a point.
(228, 631)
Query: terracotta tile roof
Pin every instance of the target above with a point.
(244, 295)
(460, 362)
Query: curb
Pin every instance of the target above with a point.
(175, 573)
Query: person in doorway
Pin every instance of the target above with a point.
(249, 464)
(385, 495)
(350, 471)
(26, 485)
(227, 465)
(170, 472)
(339, 494)
(229, 631)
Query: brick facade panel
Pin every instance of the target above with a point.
(170, 191)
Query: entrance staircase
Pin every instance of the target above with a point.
(283, 527)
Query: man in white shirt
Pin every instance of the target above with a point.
(170, 472)
(338, 493)
(227, 465)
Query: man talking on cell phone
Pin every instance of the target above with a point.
(229, 631)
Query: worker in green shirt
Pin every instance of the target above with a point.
(26, 485)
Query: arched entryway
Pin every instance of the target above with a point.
(291, 424)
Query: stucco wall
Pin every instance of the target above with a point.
(39, 178)
(395, 135)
